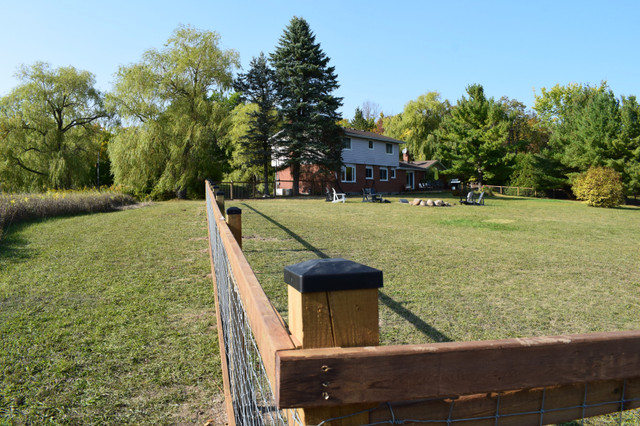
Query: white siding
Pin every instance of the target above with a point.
(361, 154)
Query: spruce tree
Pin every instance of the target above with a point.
(258, 87)
(308, 110)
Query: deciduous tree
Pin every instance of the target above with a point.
(176, 105)
(48, 129)
(418, 123)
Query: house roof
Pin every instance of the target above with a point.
(420, 165)
(369, 135)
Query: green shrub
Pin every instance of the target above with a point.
(599, 187)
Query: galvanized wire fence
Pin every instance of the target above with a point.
(251, 393)
(445, 411)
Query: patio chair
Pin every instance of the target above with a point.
(338, 196)
(366, 195)
(370, 195)
(480, 201)
(469, 201)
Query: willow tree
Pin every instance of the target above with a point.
(418, 123)
(49, 127)
(175, 104)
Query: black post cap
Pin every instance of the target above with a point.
(220, 193)
(234, 210)
(331, 275)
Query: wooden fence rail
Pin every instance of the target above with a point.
(327, 364)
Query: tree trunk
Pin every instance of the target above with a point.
(295, 174)
(266, 180)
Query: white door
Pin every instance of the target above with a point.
(410, 180)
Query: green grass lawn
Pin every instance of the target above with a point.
(512, 268)
(108, 319)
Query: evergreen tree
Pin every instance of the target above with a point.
(475, 134)
(309, 111)
(258, 87)
(359, 121)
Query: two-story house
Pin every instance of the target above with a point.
(370, 160)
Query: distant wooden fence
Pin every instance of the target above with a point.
(326, 365)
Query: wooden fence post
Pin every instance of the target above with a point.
(333, 303)
(231, 191)
(234, 220)
(220, 200)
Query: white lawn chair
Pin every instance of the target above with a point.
(338, 196)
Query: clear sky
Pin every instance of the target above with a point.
(386, 52)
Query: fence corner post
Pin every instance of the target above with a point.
(333, 303)
(234, 220)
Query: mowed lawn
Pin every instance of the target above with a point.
(109, 319)
(512, 268)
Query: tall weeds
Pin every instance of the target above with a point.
(16, 208)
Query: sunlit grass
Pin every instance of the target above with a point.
(512, 268)
(109, 319)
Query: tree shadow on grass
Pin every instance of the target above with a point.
(13, 247)
(292, 234)
(415, 320)
(396, 307)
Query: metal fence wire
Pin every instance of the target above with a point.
(252, 398)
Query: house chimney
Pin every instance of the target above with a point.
(405, 155)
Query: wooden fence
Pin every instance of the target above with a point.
(326, 363)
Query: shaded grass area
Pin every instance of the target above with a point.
(108, 319)
(18, 208)
(512, 268)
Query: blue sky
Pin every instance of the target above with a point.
(387, 52)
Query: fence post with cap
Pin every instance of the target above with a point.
(220, 200)
(333, 303)
(234, 220)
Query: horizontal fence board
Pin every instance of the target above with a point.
(268, 327)
(395, 373)
(555, 405)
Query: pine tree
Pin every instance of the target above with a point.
(309, 111)
(258, 87)
(475, 133)
(359, 122)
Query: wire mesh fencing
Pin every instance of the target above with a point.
(252, 397)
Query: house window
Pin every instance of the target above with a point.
(392, 172)
(348, 173)
(389, 148)
(369, 172)
(370, 144)
(384, 173)
(346, 142)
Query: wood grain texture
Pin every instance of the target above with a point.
(393, 373)
(567, 400)
(326, 320)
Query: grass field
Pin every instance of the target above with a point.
(512, 268)
(108, 319)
